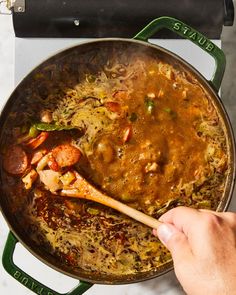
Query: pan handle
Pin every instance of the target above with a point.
(189, 33)
(25, 279)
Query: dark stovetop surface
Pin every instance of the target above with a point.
(117, 18)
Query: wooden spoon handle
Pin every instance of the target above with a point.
(97, 196)
(133, 213)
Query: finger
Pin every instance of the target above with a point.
(229, 217)
(175, 240)
(182, 218)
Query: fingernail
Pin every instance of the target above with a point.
(165, 232)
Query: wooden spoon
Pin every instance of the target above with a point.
(84, 190)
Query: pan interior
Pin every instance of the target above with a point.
(139, 93)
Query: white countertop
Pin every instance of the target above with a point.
(165, 285)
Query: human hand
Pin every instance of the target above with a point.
(203, 248)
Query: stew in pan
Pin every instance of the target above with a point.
(140, 129)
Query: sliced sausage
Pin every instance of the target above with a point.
(113, 107)
(37, 156)
(52, 163)
(15, 160)
(66, 155)
(37, 141)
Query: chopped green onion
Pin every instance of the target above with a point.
(109, 179)
(206, 204)
(90, 78)
(93, 211)
(168, 110)
(51, 127)
(171, 112)
(126, 198)
(133, 117)
(33, 132)
(150, 105)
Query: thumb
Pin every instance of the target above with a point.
(175, 240)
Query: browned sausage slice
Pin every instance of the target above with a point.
(66, 155)
(15, 160)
